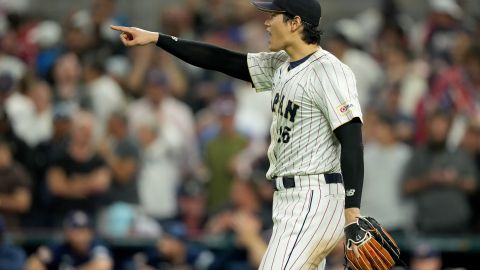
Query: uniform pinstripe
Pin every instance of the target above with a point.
(308, 103)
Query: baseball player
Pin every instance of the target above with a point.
(316, 150)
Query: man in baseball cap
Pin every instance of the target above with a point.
(79, 249)
(297, 72)
(309, 11)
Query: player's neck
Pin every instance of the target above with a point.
(299, 50)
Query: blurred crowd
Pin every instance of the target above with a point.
(98, 141)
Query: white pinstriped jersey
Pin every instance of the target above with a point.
(308, 103)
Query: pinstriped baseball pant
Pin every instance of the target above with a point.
(308, 222)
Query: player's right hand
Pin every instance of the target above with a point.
(133, 36)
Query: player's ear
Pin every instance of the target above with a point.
(295, 23)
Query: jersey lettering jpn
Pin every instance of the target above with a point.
(308, 103)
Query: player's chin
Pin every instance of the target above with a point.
(274, 48)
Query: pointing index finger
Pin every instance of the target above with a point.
(119, 28)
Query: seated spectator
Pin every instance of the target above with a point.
(11, 257)
(173, 251)
(243, 198)
(248, 231)
(245, 222)
(192, 204)
(15, 194)
(79, 178)
(122, 156)
(78, 250)
(425, 257)
(440, 181)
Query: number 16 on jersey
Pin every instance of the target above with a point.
(284, 134)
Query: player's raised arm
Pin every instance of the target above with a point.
(196, 53)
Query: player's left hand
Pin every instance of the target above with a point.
(368, 246)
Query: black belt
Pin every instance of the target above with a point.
(289, 181)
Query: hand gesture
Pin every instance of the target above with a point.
(246, 226)
(133, 36)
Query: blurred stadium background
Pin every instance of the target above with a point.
(161, 165)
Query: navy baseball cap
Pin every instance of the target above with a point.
(157, 78)
(77, 219)
(425, 251)
(309, 10)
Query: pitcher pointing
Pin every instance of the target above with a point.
(316, 150)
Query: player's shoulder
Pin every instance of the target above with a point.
(325, 61)
(280, 56)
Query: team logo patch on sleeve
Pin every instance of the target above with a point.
(344, 108)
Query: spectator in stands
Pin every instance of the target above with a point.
(17, 104)
(49, 150)
(248, 232)
(9, 60)
(173, 251)
(471, 145)
(265, 191)
(170, 113)
(440, 180)
(20, 150)
(67, 87)
(245, 205)
(343, 43)
(79, 178)
(15, 193)
(38, 114)
(425, 257)
(11, 256)
(103, 14)
(192, 204)
(159, 174)
(122, 155)
(454, 89)
(78, 250)
(220, 153)
(44, 154)
(101, 88)
(385, 159)
(78, 34)
(405, 76)
(436, 36)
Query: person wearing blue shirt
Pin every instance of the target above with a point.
(11, 257)
(80, 250)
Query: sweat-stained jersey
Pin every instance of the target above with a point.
(308, 103)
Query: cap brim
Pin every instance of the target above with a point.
(266, 6)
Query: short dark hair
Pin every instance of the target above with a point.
(311, 34)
